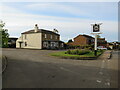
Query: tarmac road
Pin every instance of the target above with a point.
(36, 69)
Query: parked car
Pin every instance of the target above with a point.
(101, 48)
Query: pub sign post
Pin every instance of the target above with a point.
(96, 31)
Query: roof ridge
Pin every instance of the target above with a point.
(39, 31)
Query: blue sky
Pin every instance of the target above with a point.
(70, 18)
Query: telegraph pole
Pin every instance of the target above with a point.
(96, 31)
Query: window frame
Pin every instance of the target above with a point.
(51, 36)
(45, 35)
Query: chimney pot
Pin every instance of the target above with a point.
(36, 28)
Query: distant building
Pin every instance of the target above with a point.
(82, 40)
(114, 45)
(12, 42)
(102, 42)
(110, 45)
(40, 39)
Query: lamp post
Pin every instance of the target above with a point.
(96, 31)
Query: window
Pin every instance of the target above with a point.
(56, 37)
(52, 44)
(45, 35)
(51, 37)
(62, 44)
(25, 43)
(56, 44)
(45, 44)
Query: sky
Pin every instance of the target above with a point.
(69, 18)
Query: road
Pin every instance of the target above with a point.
(36, 69)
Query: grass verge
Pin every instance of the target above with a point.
(89, 55)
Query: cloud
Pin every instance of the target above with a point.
(58, 8)
(17, 22)
(60, 1)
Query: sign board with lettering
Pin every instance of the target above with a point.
(96, 28)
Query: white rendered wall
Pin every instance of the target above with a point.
(33, 41)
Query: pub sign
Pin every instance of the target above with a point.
(96, 28)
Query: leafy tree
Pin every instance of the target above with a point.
(3, 35)
(98, 36)
(70, 40)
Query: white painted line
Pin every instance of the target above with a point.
(108, 83)
(99, 81)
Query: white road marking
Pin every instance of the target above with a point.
(103, 64)
(108, 83)
(99, 81)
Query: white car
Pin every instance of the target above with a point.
(101, 48)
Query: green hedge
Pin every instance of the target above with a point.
(77, 52)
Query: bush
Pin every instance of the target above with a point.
(77, 52)
(108, 48)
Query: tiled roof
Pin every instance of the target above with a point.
(85, 36)
(101, 38)
(39, 31)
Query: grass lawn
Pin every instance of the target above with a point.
(62, 54)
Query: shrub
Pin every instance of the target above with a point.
(77, 52)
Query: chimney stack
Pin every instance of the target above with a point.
(36, 28)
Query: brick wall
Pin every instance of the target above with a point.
(81, 40)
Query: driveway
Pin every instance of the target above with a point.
(36, 69)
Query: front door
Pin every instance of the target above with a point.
(20, 44)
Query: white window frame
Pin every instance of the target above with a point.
(45, 35)
(45, 44)
(51, 37)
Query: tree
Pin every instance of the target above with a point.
(98, 36)
(4, 36)
(70, 40)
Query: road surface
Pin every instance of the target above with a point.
(36, 69)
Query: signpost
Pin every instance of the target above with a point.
(96, 31)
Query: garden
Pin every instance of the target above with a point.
(77, 54)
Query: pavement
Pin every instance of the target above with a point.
(0, 68)
(4, 63)
(36, 69)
